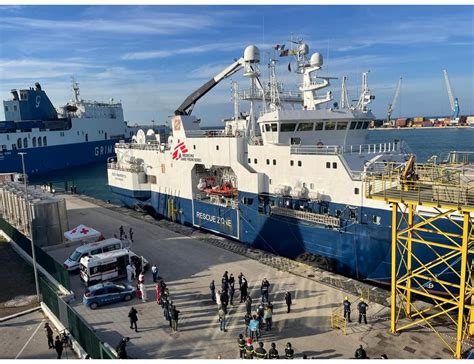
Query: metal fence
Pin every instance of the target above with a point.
(74, 323)
(42, 258)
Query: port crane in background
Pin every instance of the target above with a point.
(391, 106)
(453, 101)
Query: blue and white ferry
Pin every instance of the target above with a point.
(290, 181)
(77, 133)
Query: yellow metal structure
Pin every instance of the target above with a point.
(432, 248)
(338, 322)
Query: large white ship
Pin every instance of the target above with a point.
(289, 181)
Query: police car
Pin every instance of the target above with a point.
(106, 293)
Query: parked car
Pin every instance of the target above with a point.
(106, 293)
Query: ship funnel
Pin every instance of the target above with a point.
(316, 60)
(37, 86)
(252, 54)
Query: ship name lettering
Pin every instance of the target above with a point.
(214, 219)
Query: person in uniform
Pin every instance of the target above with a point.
(248, 305)
(264, 288)
(231, 294)
(347, 309)
(224, 300)
(267, 316)
(360, 353)
(49, 335)
(212, 287)
(243, 290)
(249, 349)
(289, 352)
(247, 319)
(241, 342)
(132, 315)
(120, 349)
(288, 301)
(154, 272)
(175, 319)
(58, 345)
(130, 273)
(260, 352)
(221, 314)
(362, 307)
(273, 352)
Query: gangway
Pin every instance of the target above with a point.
(432, 247)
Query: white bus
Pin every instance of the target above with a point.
(104, 246)
(108, 266)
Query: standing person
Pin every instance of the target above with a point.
(225, 282)
(154, 272)
(49, 335)
(218, 300)
(171, 313)
(130, 273)
(264, 288)
(267, 316)
(241, 342)
(143, 292)
(289, 352)
(224, 300)
(120, 349)
(132, 315)
(347, 309)
(248, 305)
(222, 320)
(212, 287)
(166, 309)
(58, 345)
(131, 234)
(231, 294)
(243, 290)
(141, 277)
(249, 349)
(231, 281)
(175, 318)
(362, 307)
(121, 231)
(288, 301)
(260, 313)
(247, 319)
(158, 293)
(273, 352)
(360, 353)
(260, 352)
(240, 278)
(254, 328)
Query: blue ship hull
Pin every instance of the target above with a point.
(359, 248)
(42, 160)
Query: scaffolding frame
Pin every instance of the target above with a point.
(421, 221)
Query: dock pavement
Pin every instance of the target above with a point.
(190, 259)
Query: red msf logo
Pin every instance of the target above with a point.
(84, 231)
(178, 150)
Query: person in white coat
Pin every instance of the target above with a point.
(130, 273)
(218, 300)
(143, 291)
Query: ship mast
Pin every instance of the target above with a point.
(75, 90)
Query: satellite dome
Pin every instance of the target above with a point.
(303, 49)
(316, 60)
(252, 54)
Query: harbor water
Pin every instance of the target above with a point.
(91, 180)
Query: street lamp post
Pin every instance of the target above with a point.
(29, 227)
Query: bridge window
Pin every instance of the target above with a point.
(262, 128)
(359, 125)
(39, 141)
(267, 127)
(250, 160)
(330, 125)
(295, 141)
(19, 144)
(328, 164)
(274, 162)
(217, 147)
(299, 164)
(305, 126)
(247, 200)
(319, 125)
(255, 160)
(365, 125)
(25, 142)
(268, 161)
(292, 163)
(34, 141)
(334, 165)
(287, 127)
(341, 125)
(24, 96)
(45, 142)
(87, 137)
(353, 125)
(274, 126)
(356, 190)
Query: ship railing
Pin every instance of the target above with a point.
(150, 146)
(326, 220)
(376, 148)
(208, 133)
(431, 185)
(217, 200)
(285, 96)
(130, 168)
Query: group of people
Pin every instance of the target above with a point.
(361, 307)
(123, 236)
(170, 312)
(54, 344)
(248, 351)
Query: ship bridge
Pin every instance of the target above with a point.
(432, 246)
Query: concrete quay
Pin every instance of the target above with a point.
(189, 259)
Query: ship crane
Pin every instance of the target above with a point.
(251, 56)
(453, 101)
(391, 106)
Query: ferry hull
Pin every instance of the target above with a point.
(42, 160)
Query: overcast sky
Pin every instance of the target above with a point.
(152, 57)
